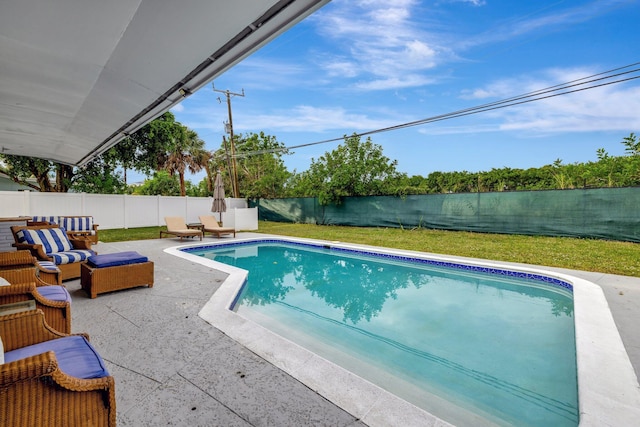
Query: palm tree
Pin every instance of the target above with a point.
(187, 153)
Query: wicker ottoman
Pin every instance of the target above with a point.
(102, 274)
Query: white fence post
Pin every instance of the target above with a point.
(27, 201)
(124, 212)
(158, 210)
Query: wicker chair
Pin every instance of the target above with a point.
(53, 300)
(68, 261)
(41, 389)
(11, 259)
(46, 270)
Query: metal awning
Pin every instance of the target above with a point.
(78, 76)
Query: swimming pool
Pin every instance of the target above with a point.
(483, 340)
(375, 406)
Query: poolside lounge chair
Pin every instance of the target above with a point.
(210, 225)
(177, 227)
(50, 378)
(22, 285)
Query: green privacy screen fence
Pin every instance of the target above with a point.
(605, 213)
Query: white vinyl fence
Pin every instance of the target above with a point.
(123, 211)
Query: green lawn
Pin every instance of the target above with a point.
(579, 254)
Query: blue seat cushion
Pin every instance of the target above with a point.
(119, 258)
(54, 293)
(75, 355)
(69, 257)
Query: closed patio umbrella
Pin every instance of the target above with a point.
(219, 204)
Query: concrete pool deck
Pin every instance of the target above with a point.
(173, 368)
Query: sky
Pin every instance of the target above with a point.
(362, 65)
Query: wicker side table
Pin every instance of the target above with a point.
(106, 279)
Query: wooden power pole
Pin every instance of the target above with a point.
(229, 130)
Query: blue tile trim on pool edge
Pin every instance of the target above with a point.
(475, 268)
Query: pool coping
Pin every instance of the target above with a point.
(607, 385)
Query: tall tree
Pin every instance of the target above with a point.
(146, 151)
(99, 177)
(21, 168)
(162, 144)
(355, 168)
(124, 154)
(632, 144)
(50, 176)
(186, 152)
(150, 145)
(162, 184)
(261, 169)
(262, 172)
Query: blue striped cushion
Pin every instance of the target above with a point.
(48, 266)
(83, 223)
(53, 240)
(51, 219)
(69, 257)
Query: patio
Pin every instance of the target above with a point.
(173, 368)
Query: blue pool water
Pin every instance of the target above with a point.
(492, 342)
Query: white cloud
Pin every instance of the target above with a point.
(178, 108)
(383, 47)
(542, 21)
(305, 118)
(338, 67)
(504, 88)
(403, 81)
(471, 2)
(390, 15)
(278, 73)
(595, 110)
(607, 108)
(454, 129)
(418, 51)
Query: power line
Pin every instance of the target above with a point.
(595, 81)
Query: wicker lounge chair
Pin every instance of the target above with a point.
(12, 259)
(177, 227)
(210, 225)
(50, 243)
(46, 270)
(41, 385)
(53, 300)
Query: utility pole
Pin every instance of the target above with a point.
(229, 130)
(229, 168)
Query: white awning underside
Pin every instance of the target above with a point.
(76, 76)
